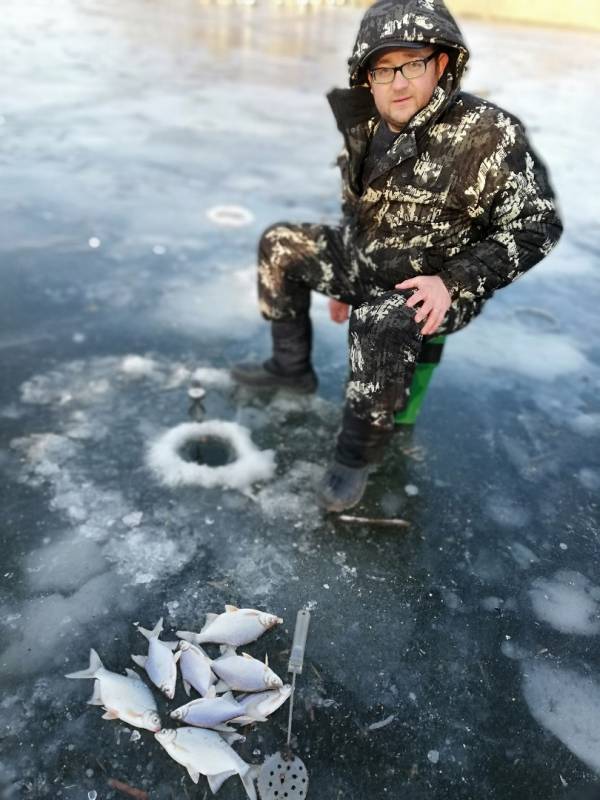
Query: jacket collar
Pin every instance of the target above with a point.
(356, 116)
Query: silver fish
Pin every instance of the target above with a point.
(204, 752)
(160, 663)
(195, 667)
(213, 711)
(244, 673)
(127, 698)
(261, 704)
(236, 627)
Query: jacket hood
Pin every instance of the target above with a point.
(397, 21)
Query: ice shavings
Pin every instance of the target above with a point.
(142, 555)
(211, 377)
(292, 495)
(50, 388)
(569, 602)
(567, 704)
(250, 466)
(138, 366)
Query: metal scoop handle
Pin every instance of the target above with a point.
(299, 642)
(297, 660)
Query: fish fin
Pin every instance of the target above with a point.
(216, 781)
(131, 673)
(171, 645)
(230, 738)
(139, 660)
(194, 774)
(154, 633)
(189, 636)
(209, 618)
(211, 691)
(186, 687)
(176, 656)
(229, 696)
(90, 672)
(247, 655)
(110, 714)
(220, 687)
(253, 713)
(231, 609)
(247, 780)
(222, 728)
(96, 698)
(227, 650)
(266, 659)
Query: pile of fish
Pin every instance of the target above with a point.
(203, 746)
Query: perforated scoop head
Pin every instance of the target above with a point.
(282, 779)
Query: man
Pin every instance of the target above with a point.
(444, 202)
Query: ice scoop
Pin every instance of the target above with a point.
(284, 774)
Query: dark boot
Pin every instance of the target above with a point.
(343, 487)
(289, 367)
(360, 445)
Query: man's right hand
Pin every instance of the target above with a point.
(338, 311)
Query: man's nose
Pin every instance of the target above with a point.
(399, 81)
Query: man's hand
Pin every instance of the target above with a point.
(435, 298)
(338, 311)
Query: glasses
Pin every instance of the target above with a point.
(410, 70)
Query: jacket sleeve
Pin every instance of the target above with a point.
(349, 198)
(514, 213)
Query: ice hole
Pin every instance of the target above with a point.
(209, 450)
(175, 464)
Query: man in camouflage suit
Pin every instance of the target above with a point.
(444, 202)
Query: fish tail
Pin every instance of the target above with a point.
(154, 633)
(189, 636)
(90, 672)
(248, 781)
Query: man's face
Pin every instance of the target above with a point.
(399, 101)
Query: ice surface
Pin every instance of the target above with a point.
(568, 601)
(567, 703)
(434, 628)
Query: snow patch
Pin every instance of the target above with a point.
(567, 704)
(568, 602)
(138, 366)
(214, 378)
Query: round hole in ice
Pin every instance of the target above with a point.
(167, 456)
(209, 450)
(230, 216)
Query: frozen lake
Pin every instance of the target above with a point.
(473, 633)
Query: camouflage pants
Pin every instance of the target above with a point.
(384, 339)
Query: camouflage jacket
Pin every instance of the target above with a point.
(461, 193)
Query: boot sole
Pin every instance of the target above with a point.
(258, 385)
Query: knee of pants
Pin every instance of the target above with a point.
(270, 236)
(387, 319)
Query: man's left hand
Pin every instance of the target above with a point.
(435, 298)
